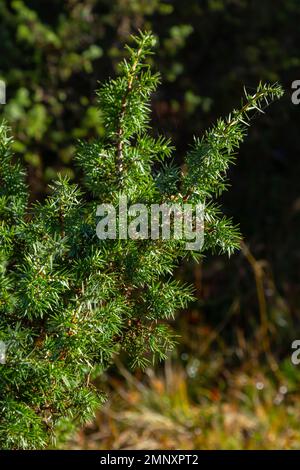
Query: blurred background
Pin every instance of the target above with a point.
(230, 383)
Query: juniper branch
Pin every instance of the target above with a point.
(69, 302)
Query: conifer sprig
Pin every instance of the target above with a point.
(210, 156)
(70, 302)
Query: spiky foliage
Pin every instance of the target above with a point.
(68, 301)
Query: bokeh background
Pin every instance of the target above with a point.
(230, 383)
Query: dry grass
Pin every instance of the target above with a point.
(168, 410)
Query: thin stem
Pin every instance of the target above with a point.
(120, 130)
